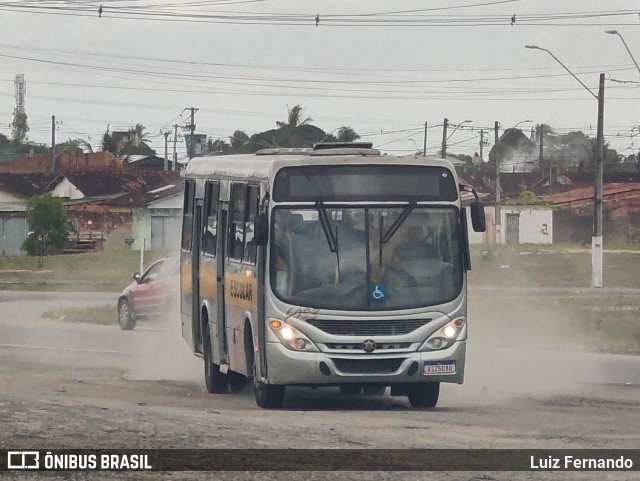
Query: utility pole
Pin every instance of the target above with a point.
(166, 151)
(192, 127)
(542, 159)
(596, 247)
(481, 143)
(444, 138)
(53, 144)
(175, 139)
(424, 149)
(498, 213)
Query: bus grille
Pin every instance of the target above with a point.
(384, 327)
(367, 366)
(357, 346)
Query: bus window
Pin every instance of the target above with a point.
(252, 211)
(236, 226)
(187, 220)
(210, 234)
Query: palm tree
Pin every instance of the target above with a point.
(347, 134)
(294, 116)
(140, 135)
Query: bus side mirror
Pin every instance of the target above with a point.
(478, 220)
(261, 227)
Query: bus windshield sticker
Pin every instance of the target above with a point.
(378, 293)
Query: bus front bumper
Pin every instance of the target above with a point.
(287, 367)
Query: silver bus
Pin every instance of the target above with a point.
(332, 266)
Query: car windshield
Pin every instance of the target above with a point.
(366, 258)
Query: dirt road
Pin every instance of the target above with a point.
(81, 386)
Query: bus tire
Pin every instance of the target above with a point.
(268, 396)
(424, 395)
(216, 382)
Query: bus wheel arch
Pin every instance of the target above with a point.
(268, 396)
(215, 381)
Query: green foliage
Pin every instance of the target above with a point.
(19, 126)
(48, 221)
(70, 145)
(4, 141)
(294, 118)
(131, 142)
(347, 134)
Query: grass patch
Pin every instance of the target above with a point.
(597, 323)
(96, 271)
(550, 266)
(102, 315)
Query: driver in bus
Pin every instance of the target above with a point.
(415, 248)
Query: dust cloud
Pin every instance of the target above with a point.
(520, 345)
(161, 353)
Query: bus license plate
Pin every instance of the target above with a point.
(439, 367)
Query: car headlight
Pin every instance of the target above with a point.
(290, 337)
(445, 336)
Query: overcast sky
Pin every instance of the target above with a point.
(241, 63)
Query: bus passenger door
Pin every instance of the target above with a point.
(195, 277)
(186, 265)
(223, 346)
(240, 279)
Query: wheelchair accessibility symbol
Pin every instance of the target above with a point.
(378, 293)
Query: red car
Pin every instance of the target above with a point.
(151, 294)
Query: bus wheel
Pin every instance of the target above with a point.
(267, 396)
(351, 390)
(424, 395)
(217, 383)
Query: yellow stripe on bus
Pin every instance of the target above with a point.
(185, 276)
(208, 282)
(241, 290)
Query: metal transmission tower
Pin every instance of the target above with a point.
(20, 91)
(19, 125)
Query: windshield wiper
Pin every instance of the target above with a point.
(399, 221)
(332, 238)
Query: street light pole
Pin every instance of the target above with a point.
(446, 137)
(615, 32)
(596, 239)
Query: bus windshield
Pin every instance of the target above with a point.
(366, 258)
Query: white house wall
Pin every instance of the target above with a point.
(536, 225)
(173, 202)
(8, 197)
(67, 190)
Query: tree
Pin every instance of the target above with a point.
(19, 126)
(131, 142)
(293, 119)
(515, 149)
(48, 221)
(347, 134)
(4, 141)
(70, 145)
(217, 147)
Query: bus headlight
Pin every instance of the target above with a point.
(445, 336)
(290, 337)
